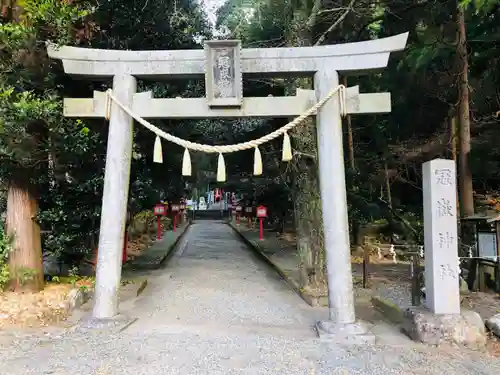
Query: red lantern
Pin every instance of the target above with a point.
(175, 212)
(159, 210)
(261, 214)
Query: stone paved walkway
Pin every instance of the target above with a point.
(215, 309)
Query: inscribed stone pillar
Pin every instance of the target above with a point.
(114, 200)
(442, 286)
(333, 189)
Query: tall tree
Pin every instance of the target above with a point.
(423, 81)
(465, 175)
(28, 108)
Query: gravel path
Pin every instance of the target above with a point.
(214, 280)
(400, 295)
(214, 310)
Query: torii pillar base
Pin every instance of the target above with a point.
(357, 333)
(116, 324)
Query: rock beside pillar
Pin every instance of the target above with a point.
(493, 324)
(465, 329)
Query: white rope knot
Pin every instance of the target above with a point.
(107, 108)
(342, 100)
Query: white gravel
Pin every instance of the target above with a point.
(398, 294)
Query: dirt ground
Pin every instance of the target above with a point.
(136, 246)
(50, 306)
(34, 309)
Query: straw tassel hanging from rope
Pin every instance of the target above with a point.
(221, 169)
(157, 153)
(186, 163)
(257, 162)
(286, 154)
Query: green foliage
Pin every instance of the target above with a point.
(156, 24)
(58, 14)
(20, 148)
(62, 160)
(37, 145)
(83, 283)
(423, 81)
(5, 248)
(23, 275)
(480, 6)
(29, 105)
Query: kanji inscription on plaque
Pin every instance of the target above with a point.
(223, 77)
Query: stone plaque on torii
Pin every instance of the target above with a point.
(223, 64)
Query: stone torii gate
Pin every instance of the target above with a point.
(223, 64)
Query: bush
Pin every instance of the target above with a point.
(5, 247)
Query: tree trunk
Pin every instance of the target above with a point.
(387, 182)
(453, 137)
(350, 141)
(25, 260)
(388, 197)
(465, 175)
(307, 201)
(454, 142)
(307, 207)
(9, 10)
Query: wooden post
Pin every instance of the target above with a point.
(497, 267)
(415, 280)
(497, 275)
(366, 263)
(261, 229)
(158, 230)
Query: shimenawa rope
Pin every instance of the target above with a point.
(186, 169)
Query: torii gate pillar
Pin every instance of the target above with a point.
(333, 185)
(342, 318)
(114, 200)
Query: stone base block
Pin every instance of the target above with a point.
(493, 324)
(116, 324)
(466, 328)
(77, 297)
(356, 333)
